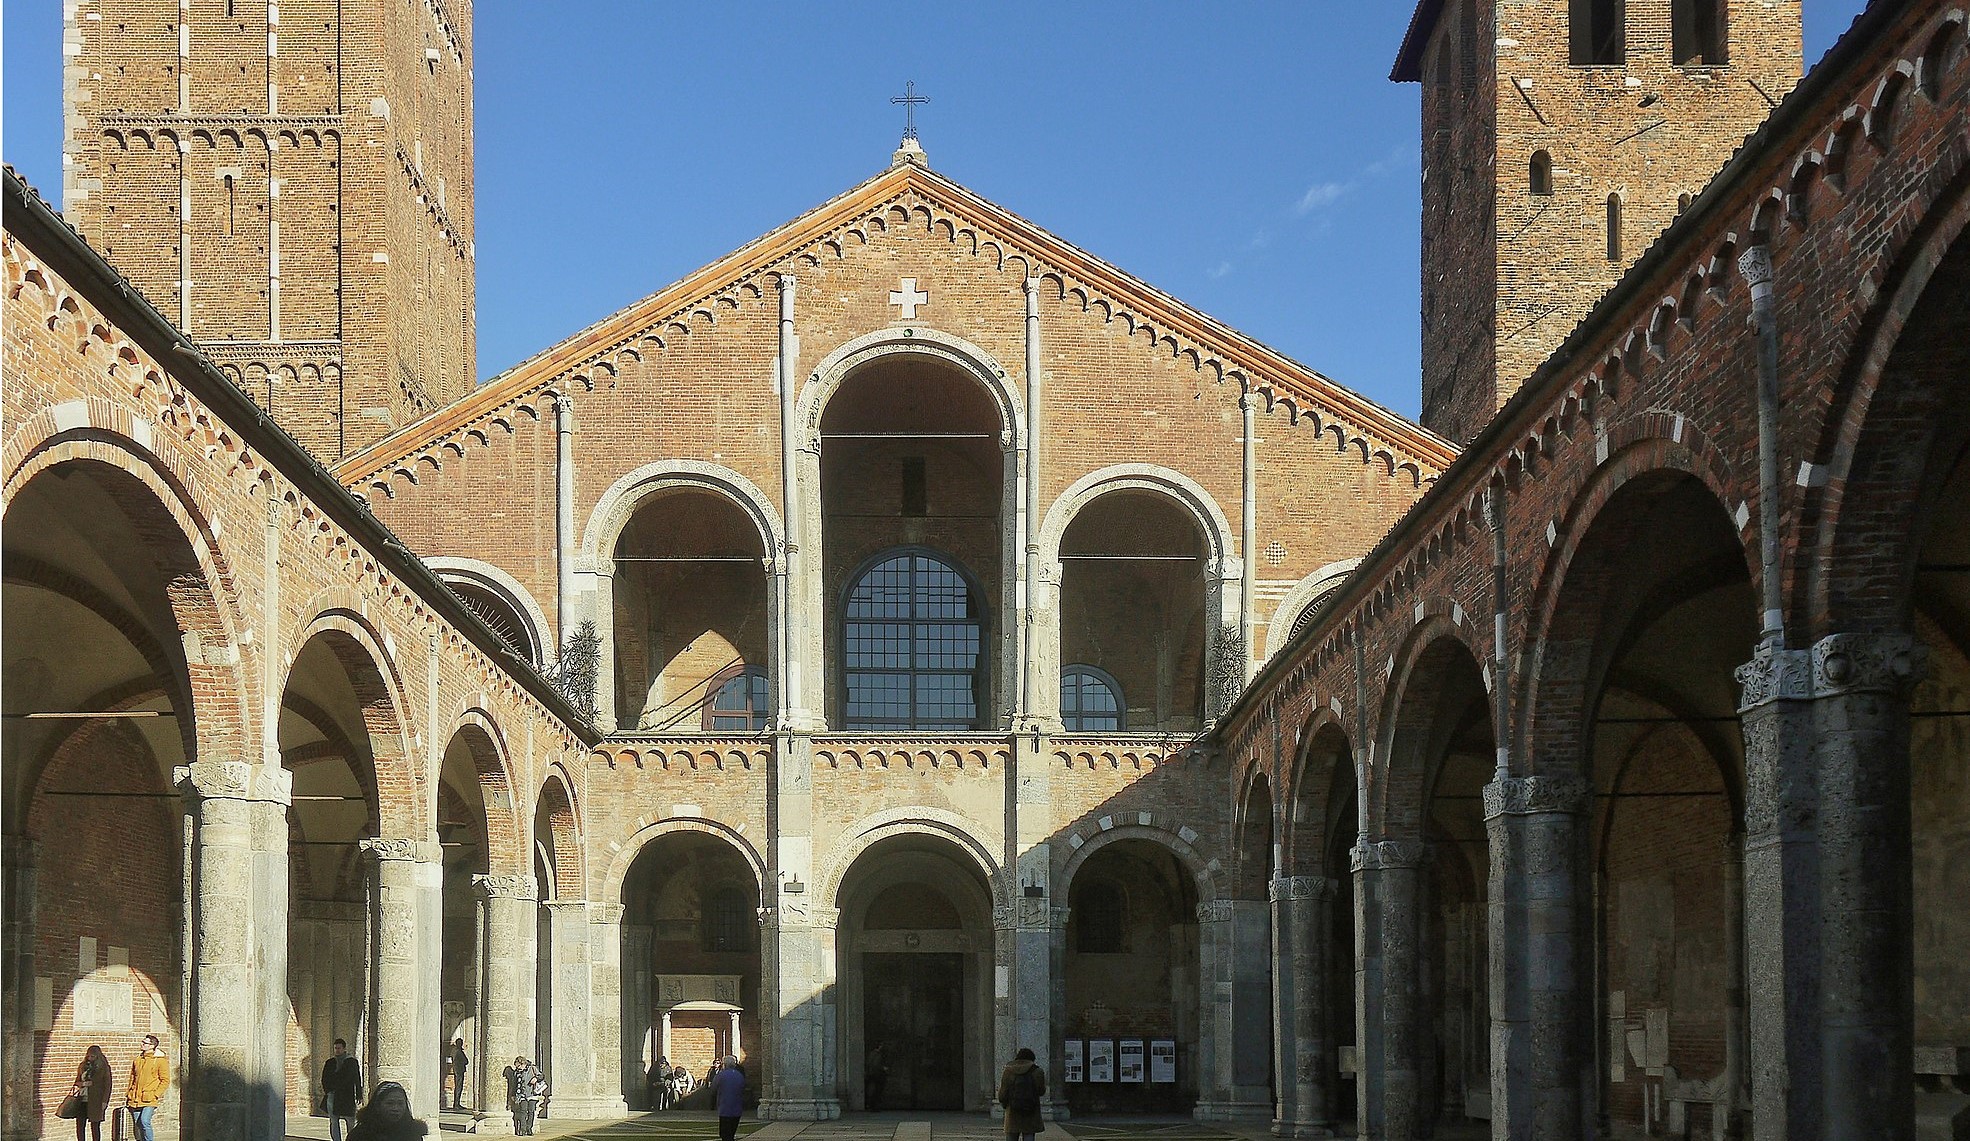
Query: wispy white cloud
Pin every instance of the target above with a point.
(1219, 270)
(1320, 194)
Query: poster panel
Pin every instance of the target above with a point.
(1101, 1059)
(1072, 1058)
(1163, 1060)
(1131, 1067)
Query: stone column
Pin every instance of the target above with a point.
(1389, 1025)
(606, 1090)
(1235, 950)
(800, 1083)
(1301, 1052)
(18, 1010)
(569, 1032)
(507, 925)
(407, 885)
(1026, 950)
(599, 591)
(586, 1081)
(1861, 687)
(1541, 1058)
(238, 1011)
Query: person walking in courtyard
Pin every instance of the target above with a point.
(92, 1086)
(459, 1063)
(150, 1076)
(341, 1088)
(1020, 1089)
(728, 1091)
(526, 1086)
(387, 1117)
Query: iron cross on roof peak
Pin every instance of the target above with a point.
(909, 99)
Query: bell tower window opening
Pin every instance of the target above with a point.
(912, 646)
(1697, 33)
(739, 701)
(1614, 227)
(1541, 177)
(1090, 701)
(1597, 34)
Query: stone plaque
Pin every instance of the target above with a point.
(104, 1004)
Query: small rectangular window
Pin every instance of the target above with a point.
(916, 495)
(1696, 30)
(1597, 31)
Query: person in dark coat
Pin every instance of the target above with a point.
(459, 1062)
(728, 1090)
(92, 1085)
(387, 1117)
(1021, 1087)
(341, 1088)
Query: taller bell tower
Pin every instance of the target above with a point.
(290, 181)
(1559, 138)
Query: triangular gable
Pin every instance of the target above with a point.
(1070, 272)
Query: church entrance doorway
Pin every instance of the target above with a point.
(916, 1015)
(913, 1009)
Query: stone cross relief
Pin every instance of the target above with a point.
(909, 297)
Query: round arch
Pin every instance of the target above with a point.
(1308, 794)
(506, 849)
(355, 643)
(871, 830)
(648, 830)
(619, 503)
(1210, 518)
(912, 341)
(1427, 660)
(556, 797)
(1286, 615)
(1192, 860)
(498, 583)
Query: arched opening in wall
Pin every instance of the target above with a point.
(690, 606)
(1640, 659)
(1442, 754)
(1324, 824)
(1614, 227)
(473, 804)
(334, 708)
(690, 965)
(916, 958)
(1131, 973)
(1899, 563)
(500, 612)
(912, 463)
(1132, 602)
(1541, 177)
(99, 584)
(556, 864)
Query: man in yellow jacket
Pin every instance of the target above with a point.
(150, 1076)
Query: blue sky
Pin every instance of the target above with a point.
(1250, 158)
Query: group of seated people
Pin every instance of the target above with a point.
(670, 1084)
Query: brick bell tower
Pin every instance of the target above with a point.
(1559, 138)
(291, 183)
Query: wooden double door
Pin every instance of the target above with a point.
(913, 1007)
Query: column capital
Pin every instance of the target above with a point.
(1388, 854)
(606, 913)
(382, 849)
(1300, 887)
(1214, 911)
(1774, 673)
(506, 887)
(1867, 663)
(234, 780)
(1564, 793)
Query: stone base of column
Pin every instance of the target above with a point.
(1301, 1129)
(588, 1108)
(1234, 1109)
(494, 1125)
(799, 1109)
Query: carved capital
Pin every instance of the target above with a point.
(400, 848)
(607, 914)
(234, 780)
(1214, 911)
(1867, 663)
(1774, 674)
(1300, 887)
(506, 887)
(1388, 854)
(1523, 796)
(1755, 264)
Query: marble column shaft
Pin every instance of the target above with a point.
(1541, 1054)
(507, 927)
(586, 1036)
(1235, 943)
(1388, 988)
(236, 1087)
(404, 962)
(1303, 1058)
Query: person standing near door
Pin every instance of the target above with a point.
(875, 1076)
(458, 1064)
(1020, 1089)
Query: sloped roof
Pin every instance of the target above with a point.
(1409, 58)
(1258, 367)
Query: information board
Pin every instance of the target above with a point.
(1131, 1064)
(1101, 1059)
(1163, 1060)
(1072, 1060)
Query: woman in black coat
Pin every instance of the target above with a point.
(92, 1085)
(387, 1117)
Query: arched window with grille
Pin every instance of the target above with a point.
(727, 922)
(912, 638)
(1090, 701)
(1098, 917)
(740, 701)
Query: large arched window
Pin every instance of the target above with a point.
(727, 922)
(911, 646)
(1090, 700)
(739, 701)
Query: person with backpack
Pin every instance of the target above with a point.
(1021, 1087)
